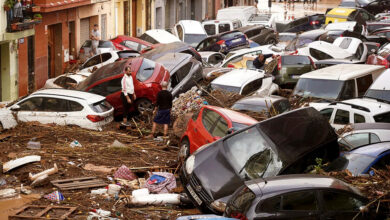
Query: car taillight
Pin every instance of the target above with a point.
(238, 215)
(220, 42)
(81, 50)
(230, 65)
(95, 118)
(385, 63)
(341, 35)
(314, 22)
(279, 63)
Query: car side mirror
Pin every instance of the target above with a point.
(216, 138)
(15, 107)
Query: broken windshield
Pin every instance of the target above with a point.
(319, 88)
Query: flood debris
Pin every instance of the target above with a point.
(101, 169)
(143, 197)
(78, 183)
(55, 196)
(124, 173)
(33, 144)
(43, 173)
(43, 212)
(7, 193)
(161, 182)
(12, 164)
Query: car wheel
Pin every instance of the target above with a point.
(184, 149)
(144, 106)
(271, 41)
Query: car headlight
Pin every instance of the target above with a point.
(219, 206)
(190, 162)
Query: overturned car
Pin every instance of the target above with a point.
(286, 144)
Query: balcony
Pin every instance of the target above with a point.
(26, 22)
(56, 5)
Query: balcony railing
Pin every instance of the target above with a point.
(56, 5)
(28, 20)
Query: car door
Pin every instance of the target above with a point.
(328, 113)
(338, 205)
(29, 108)
(54, 111)
(204, 127)
(74, 113)
(299, 205)
(341, 118)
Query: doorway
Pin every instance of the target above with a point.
(72, 40)
(134, 18)
(103, 24)
(30, 60)
(126, 17)
(54, 50)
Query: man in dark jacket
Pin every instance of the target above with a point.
(259, 62)
(163, 109)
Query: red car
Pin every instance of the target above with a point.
(123, 42)
(209, 125)
(147, 77)
(381, 58)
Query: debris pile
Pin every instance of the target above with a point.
(191, 101)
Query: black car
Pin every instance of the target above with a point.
(260, 34)
(185, 71)
(175, 47)
(306, 23)
(372, 6)
(285, 144)
(297, 197)
(224, 42)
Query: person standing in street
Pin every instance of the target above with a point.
(163, 109)
(95, 37)
(127, 95)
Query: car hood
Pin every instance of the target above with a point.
(292, 135)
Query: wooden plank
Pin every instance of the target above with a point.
(84, 187)
(74, 179)
(39, 215)
(43, 212)
(78, 183)
(65, 215)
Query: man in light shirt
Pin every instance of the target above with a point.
(95, 37)
(127, 95)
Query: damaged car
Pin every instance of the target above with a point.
(269, 105)
(185, 71)
(61, 107)
(285, 144)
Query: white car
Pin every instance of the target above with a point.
(245, 82)
(66, 81)
(213, 27)
(342, 48)
(364, 134)
(237, 54)
(353, 111)
(380, 88)
(104, 46)
(190, 32)
(211, 57)
(61, 107)
(159, 36)
(237, 12)
(351, 26)
(266, 19)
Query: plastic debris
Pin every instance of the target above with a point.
(12, 164)
(41, 180)
(113, 189)
(101, 212)
(75, 143)
(161, 182)
(99, 191)
(45, 172)
(116, 143)
(55, 196)
(124, 173)
(7, 193)
(24, 190)
(143, 197)
(33, 144)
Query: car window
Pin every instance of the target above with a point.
(383, 162)
(101, 106)
(385, 117)
(348, 90)
(252, 86)
(107, 88)
(184, 70)
(223, 27)
(240, 202)
(270, 205)
(249, 64)
(215, 58)
(209, 117)
(210, 29)
(97, 60)
(282, 106)
(363, 83)
(295, 60)
(251, 33)
(345, 43)
(148, 38)
(299, 201)
(358, 118)
(337, 201)
(54, 105)
(32, 104)
(74, 106)
(146, 70)
(65, 81)
(132, 45)
(359, 51)
(221, 128)
(319, 55)
(105, 44)
(341, 117)
(327, 113)
(356, 140)
(179, 30)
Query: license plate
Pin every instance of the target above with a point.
(193, 194)
(295, 76)
(236, 40)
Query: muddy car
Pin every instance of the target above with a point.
(286, 144)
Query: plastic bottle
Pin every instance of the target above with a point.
(102, 212)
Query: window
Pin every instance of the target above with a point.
(348, 91)
(359, 139)
(231, 35)
(252, 86)
(75, 106)
(32, 104)
(249, 64)
(385, 117)
(240, 202)
(131, 45)
(319, 55)
(327, 113)
(358, 118)
(359, 51)
(148, 38)
(101, 106)
(299, 201)
(342, 117)
(363, 83)
(252, 33)
(54, 105)
(345, 43)
(179, 30)
(65, 82)
(210, 29)
(270, 205)
(295, 60)
(214, 59)
(221, 128)
(107, 87)
(223, 27)
(337, 201)
(209, 118)
(146, 70)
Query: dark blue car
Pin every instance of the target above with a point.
(360, 160)
(307, 23)
(224, 42)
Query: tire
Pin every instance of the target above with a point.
(144, 106)
(271, 41)
(184, 151)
